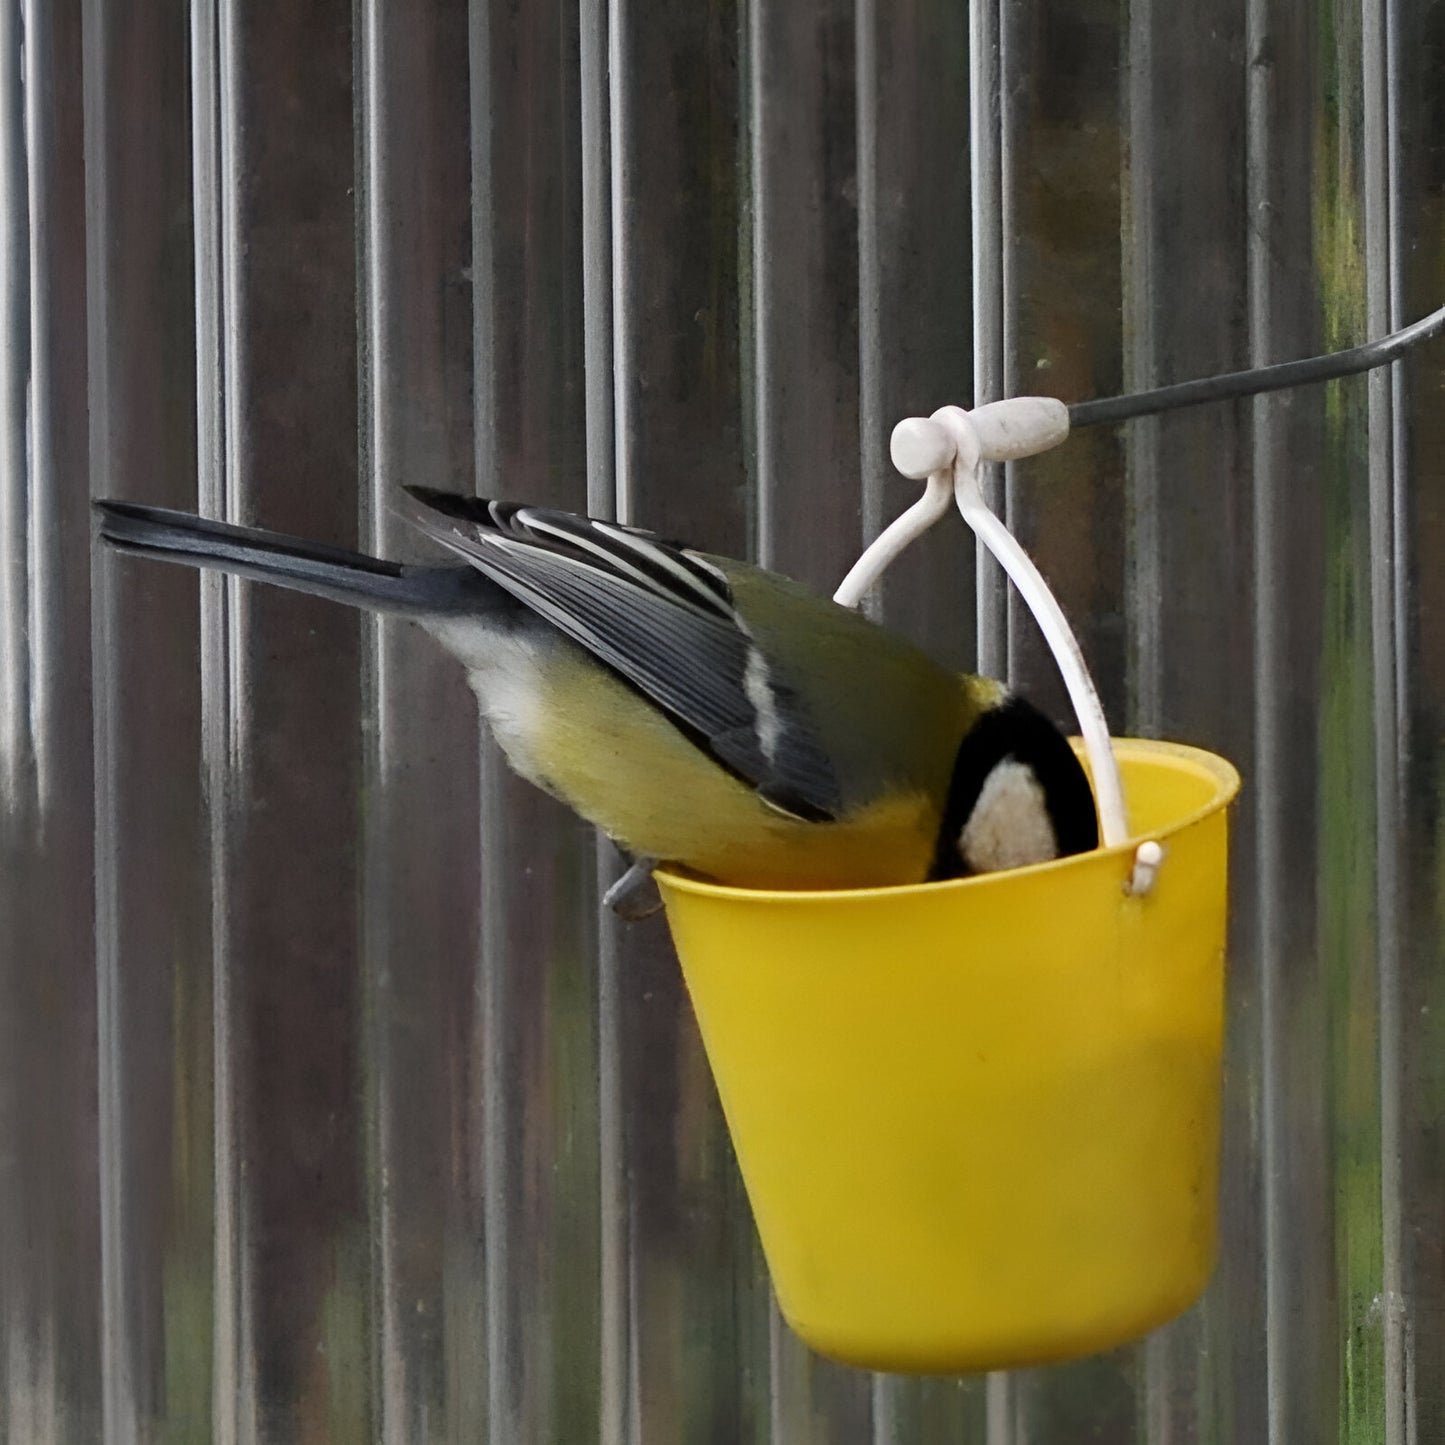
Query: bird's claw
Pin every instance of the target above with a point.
(624, 897)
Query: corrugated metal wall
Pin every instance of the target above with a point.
(329, 1108)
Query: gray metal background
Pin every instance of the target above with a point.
(329, 1110)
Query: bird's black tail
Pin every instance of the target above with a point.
(331, 572)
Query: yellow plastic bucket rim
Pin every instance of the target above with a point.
(1224, 774)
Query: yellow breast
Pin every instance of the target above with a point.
(621, 764)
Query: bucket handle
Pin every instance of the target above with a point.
(947, 451)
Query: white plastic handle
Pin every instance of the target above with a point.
(922, 447)
(949, 449)
(895, 538)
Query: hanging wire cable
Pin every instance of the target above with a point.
(1110, 409)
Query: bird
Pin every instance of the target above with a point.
(700, 711)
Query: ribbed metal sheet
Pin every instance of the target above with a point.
(330, 1109)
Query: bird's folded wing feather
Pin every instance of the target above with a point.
(663, 620)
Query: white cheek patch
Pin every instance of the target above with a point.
(1010, 825)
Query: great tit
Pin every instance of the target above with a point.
(698, 710)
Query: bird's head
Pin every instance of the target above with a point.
(1018, 795)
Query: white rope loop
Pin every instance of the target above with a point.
(949, 449)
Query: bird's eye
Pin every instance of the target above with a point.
(1010, 824)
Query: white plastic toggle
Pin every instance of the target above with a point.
(1022, 426)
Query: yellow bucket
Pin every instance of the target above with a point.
(979, 1121)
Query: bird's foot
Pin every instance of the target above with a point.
(629, 897)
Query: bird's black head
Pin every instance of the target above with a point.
(1018, 795)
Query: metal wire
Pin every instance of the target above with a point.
(1111, 409)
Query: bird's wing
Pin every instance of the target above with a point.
(663, 620)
